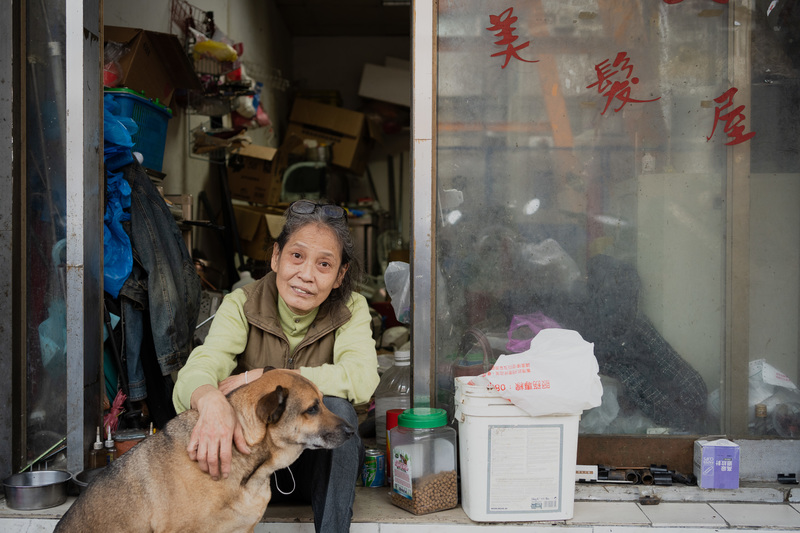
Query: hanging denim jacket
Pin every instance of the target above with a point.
(163, 282)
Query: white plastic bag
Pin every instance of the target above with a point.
(398, 284)
(558, 375)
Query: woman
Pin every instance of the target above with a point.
(304, 316)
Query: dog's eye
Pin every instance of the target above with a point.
(314, 409)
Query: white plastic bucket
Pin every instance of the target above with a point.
(514, 467)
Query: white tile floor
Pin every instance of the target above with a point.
(759, 515)
(610, 513)
(373, 513)
(683, 515)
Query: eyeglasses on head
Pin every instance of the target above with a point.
(307, 207)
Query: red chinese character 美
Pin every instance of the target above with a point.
(621, 90)
(502, 24)
(733, 119)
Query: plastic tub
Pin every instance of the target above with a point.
(514, 467)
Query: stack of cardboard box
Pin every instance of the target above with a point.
(255, 173)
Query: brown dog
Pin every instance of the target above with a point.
(156, 487)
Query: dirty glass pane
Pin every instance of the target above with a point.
(586, 156)
(45, 232)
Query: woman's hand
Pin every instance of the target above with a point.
(216, 431)
(236, 381)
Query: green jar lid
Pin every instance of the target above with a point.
(422, 417)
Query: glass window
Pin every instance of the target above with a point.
(44, 237)
(628, 170)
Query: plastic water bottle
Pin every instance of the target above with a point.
(245, 278)
(393, 392)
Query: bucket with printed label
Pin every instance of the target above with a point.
(514, 467)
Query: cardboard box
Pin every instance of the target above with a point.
(155, 63)
(343, 129)
(386, 84)
(258, 228)
(716, 464)
(251, 176)
(396, 62)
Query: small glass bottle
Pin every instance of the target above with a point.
(111, 448)
(96, 456)
(424, 477)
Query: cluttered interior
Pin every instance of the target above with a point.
(613, 197)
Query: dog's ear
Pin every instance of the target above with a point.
(271, 406)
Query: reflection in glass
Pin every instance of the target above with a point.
(45, 232)
(588, 143)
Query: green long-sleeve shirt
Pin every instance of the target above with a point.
(352, 375)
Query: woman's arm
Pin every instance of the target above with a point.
(354, 372)
(215, 359)
(217, 429)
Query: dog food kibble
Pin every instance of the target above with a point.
(423, 458)
(430, 493)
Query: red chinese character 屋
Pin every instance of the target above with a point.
(733, 119)
(503, 25)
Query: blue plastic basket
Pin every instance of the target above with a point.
(152, 120)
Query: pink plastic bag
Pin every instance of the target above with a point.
(535, 322)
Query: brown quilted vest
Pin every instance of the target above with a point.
(266, 343)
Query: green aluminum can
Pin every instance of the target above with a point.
(373, 471)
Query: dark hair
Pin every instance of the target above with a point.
(341, 231)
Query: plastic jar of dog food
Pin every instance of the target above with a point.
(424, 478)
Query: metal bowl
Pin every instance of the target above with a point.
(82, 479)
(36, 490)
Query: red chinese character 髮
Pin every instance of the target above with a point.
(621, 90)
(502, 24)
(733, 119)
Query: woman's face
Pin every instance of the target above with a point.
(308, 268)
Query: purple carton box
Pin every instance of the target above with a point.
(716, 464)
